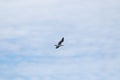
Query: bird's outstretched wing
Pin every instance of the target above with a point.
(60, 42)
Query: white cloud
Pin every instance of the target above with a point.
(30, 28)
(67, 68)
(32, 24)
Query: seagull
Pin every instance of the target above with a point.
(60, 43)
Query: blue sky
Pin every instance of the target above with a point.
(29, 29)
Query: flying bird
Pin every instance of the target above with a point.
(60, 43)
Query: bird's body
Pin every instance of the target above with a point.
(60, 43)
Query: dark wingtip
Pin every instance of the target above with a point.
(63, 38)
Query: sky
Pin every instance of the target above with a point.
(29, 29)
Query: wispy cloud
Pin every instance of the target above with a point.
(30, 28)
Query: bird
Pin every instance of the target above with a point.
(60, 43)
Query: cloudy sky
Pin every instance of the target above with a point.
(29, 29)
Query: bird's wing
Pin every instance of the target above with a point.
(59, 43)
